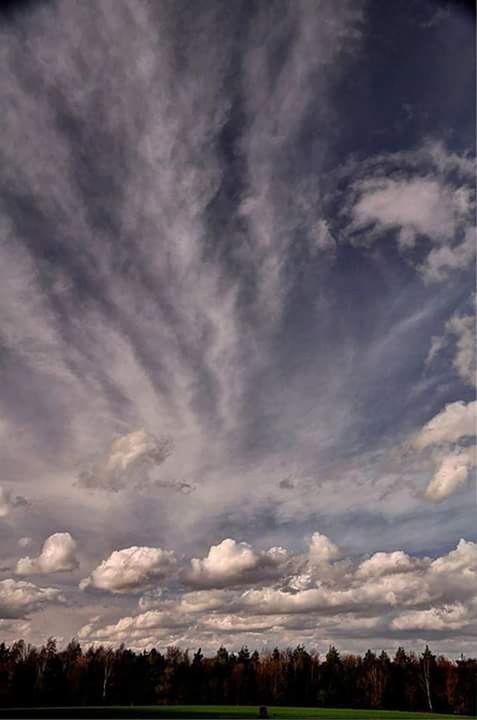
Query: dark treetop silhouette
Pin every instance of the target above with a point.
(98, 675)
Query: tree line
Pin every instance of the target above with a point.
(31, 676)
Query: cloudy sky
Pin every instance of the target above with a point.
(237, 288)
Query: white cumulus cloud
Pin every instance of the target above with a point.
(457, 420)
(453, 469)
(58, 554)
(131, 569)
(388, 592)
(382, 563)
(447, 435)
(231, 562)
(18, 597)
(322, 549)
(446, 617)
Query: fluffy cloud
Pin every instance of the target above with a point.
(442, 261)
(153, 624)
(453, 468)
(131, 569)
(385, 580)
(460, 563)
(226, 561)
(391, 593)
(457, 420)
(417, 206)
(382, 563)
(19, 598)
(57, 555)
(423, 195)
(128, 462)
(462, 329)
(447, 434)
(447, 617)
(387, 591)
(232, 563)
(321, 549)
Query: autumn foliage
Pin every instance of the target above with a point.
(31, 676)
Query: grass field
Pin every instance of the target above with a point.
(217, 711)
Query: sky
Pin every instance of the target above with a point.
(237, 334)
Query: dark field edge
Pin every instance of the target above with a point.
(221, 712)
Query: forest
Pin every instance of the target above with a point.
(73, 676)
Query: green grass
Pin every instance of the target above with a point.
(217, 711)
